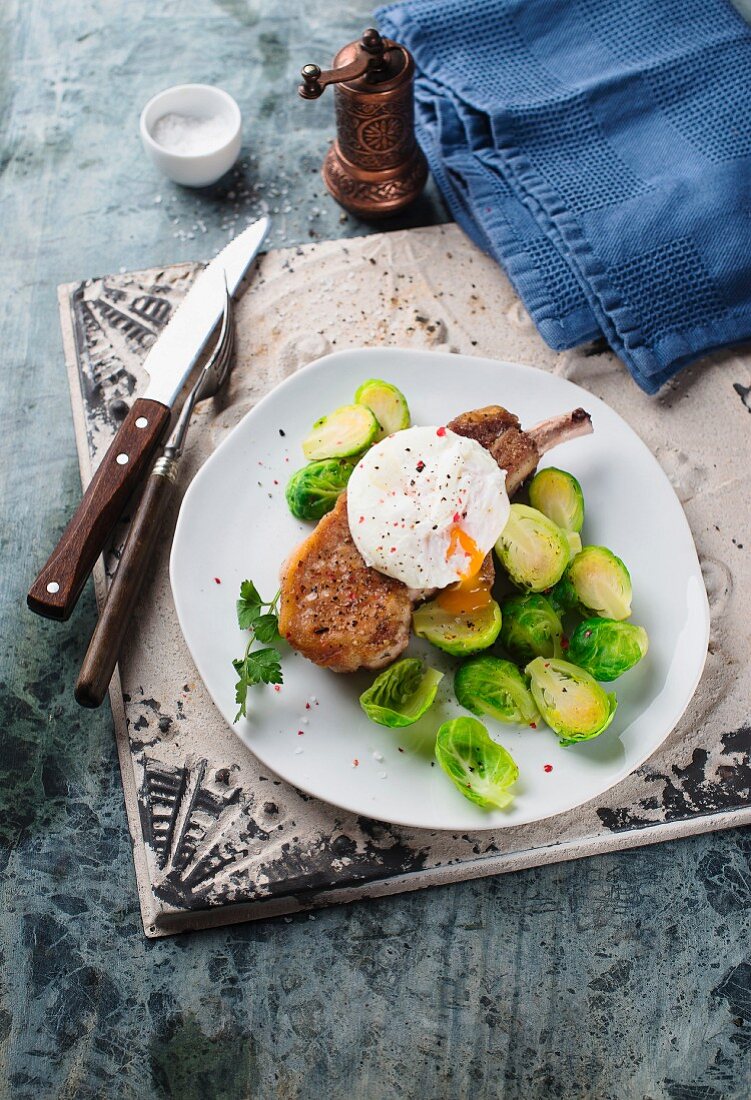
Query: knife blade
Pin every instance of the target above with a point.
(174, 355)
(169, 362)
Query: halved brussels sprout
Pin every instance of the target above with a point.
(558, 495)
(574, 540)
(570, 700)
(532, 549)
(482, 770)
(314, 490)
(401, 694)
(345, 432)
(601, 582)
(460, 635)
(607, 648)
(492, 686)
(531, 628)
(387, 403)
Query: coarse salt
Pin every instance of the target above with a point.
(190, 134)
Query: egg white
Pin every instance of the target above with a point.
(409, 491)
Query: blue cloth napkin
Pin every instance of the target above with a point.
(601, 151)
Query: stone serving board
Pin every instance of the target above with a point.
(216, 837)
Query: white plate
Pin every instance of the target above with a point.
(234, 524)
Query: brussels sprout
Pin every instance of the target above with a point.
(401, 694)
(492, 686)
(601, 582)
(482, 770)
(562, 596)
(559, 496)
(570, 700)
(532, 549)
(346, 431)
(574, 540)
(314, 490)
(607, 648)
(387, 403)
(531, 628)
(460, 635)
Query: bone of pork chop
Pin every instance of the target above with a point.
(342, 614)
(518, 452)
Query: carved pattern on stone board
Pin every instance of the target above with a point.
(213, 842)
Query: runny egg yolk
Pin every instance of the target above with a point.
(466, 596)
(471, 592)
(460, 540)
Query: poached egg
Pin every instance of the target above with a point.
(426, 505)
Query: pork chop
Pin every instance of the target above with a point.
(516, 451)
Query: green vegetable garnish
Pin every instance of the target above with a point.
(533, 550)
(562, 596)
(492, 686)
(482, 770)
(559, 496)
(401, 694)
(460, 635)
(531, 628)
(601, 582)
(387, 403)
(607, 648)
(345, 432)
(570, 700)
(256, 666)
(574, 540)
(314, 490)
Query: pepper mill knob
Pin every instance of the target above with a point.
(374, 167)
(372, 40)
(310, 88)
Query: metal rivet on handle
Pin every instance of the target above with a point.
(121, 459)
(141, 422)
(53, 587)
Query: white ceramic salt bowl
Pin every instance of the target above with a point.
(202, 101)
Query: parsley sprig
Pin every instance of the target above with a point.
(257, 666)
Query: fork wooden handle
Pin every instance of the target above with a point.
(55, 591)
(104, 647)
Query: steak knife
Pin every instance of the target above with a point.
(169, 362)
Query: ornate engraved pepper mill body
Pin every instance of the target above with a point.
(375, 167)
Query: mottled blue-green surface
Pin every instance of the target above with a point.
(626, 976)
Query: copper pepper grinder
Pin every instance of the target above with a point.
(375, 167)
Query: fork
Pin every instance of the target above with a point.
(106, 641)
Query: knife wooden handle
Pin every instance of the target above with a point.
(55, 591)
(104, 647)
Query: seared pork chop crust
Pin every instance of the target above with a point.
(484, 425)
(336, 610)
(499, 432)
